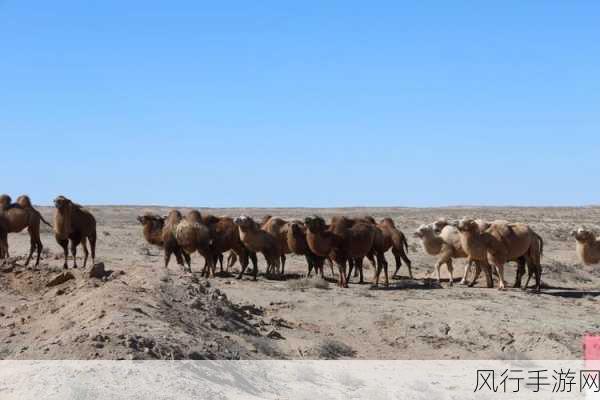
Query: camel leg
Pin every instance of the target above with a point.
(464, 280)
(283, 264)
(220, 259)
(438, 265)
(377, 272)
(350, 268)
(74, 243)
(65, 246)
(85, 251)
(188, 260)
(168, 252)
(381, 260)
(32, 245)
(450, 271)
(92, 239)
(359, 265)
(343, 282)
(520, 272)
(231, 260)
(401, 255)
(243, 255)
(500, 269)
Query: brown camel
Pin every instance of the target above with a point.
(279, 229)
(344, 240)
(296, 242)
(587, 246)
(77, 224)
(226, 237)
(259, 241)
(18, 218)
(153, 230)
(500, 243)
(192, 235)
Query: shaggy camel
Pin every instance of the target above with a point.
(296, 242)
(226, 237)
(153, 230)
(343, 241)
(500, 243)
(18, 218)
(170, 245)
(278, 228)
(446, 245)
(258, 241)
(375, 255)
(192, 235)
(587, 246)
(395, 240)
(75, 223)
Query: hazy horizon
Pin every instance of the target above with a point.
(322, 105)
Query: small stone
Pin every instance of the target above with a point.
(98, 271)
(275, 335)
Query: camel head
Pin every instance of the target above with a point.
(61, 203)
(296, 228)
(173, 217)
(5, 201)
(246, 223)
(315, 224)
(148, 218)
(467, 225)
(422, 231)
(582, 235)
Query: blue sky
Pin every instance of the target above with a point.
(274, 103)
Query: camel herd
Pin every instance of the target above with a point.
(343, 242)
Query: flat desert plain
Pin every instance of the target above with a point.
(142, 311)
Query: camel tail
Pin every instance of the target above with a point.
(541, 244)
(46, 222)
(405, 244)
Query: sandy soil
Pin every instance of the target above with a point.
(141, 311)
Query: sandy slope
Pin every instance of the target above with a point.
(142, 311)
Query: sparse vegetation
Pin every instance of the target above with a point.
(331, 349)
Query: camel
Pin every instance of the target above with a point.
(258, 241)
(375, 255)
(278, 228)
(169, 241)
(77, 224)
(296, 242)
(587, 246)
(153, 230)
(18, 218)
(446, 246)
(344, 240)
(500, 243)
(192, 235)
(226, 237)
(395, 240)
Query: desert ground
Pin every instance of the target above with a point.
(139, 310)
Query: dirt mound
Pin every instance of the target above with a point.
(143, 313)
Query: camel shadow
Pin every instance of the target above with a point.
(573, 294)
(408, 284)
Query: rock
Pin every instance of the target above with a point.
(60, 279)
(97, 271)
(60, 292)
(275, 335)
